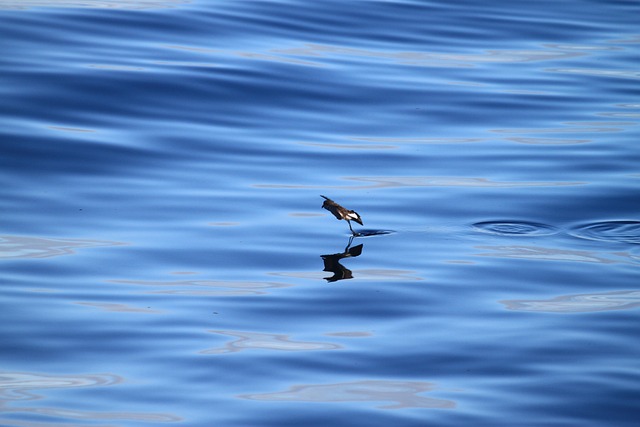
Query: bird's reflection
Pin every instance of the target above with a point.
(332, 262)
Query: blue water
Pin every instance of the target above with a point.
(165, 259)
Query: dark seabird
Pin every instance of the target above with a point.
(342, 213)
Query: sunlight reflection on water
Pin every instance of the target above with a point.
(404, 394)
(433, 59)
(177, 150)
(207, 287)
(118, 308)
(556, 254)
(425, 181)
(261, 341)
(94, 4)
(40, 247)
(21, 386)
(583, 303)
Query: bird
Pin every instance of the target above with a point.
(341, 213)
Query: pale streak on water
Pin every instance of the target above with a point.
(164, 255)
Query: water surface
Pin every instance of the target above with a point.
(165, 257)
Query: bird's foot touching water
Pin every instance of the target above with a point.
(342, 213)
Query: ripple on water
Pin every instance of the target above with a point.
(515, 228)
(369, 232)
(609, 231)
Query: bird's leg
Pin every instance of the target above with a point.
(352, 232)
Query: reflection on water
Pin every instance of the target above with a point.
(259, 341)
(404, 141)
(12, 247)
(404, 394)
(207, 287)
(118, 308)
(583, 303)
(246, 55)
(354, 334)
(386, 143)
(622, 74)
(17, 385)
(553, 254)
(426, 181)
(549, 141)
(160, 123)
(368, 274)
(113, 67)
(395, 143)
(94, 4)
(350, 146)
(20, 386)
(315, 55)
(332, 262)
(562, 130)
(71, 130)
(622, 116)
(434, 181)
(428, 59)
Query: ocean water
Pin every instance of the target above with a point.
(165, 259)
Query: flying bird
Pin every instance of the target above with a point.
(342, 213)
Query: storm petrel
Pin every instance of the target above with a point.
(341, 213)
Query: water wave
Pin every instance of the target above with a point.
(515, 228)
(609, 231)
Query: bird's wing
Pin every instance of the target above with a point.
(353, 216)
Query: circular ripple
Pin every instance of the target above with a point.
(515, 228)
(610, 231)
